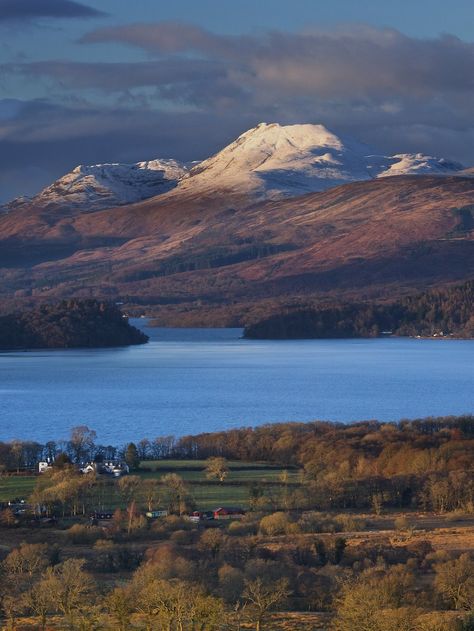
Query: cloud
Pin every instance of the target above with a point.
(360, 62)
(122, 76)
(197, 90)
(41, 140)
(164, 37)
(381, 70)
(357, 80)
(21, 10)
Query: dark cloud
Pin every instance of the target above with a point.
(378, 84)
(43, 140)
(116, 77)
(19, 10)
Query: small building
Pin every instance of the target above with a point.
(90, 467)
(44, 465)
(115, 468)
(110, 467)
(19, 506)
(102, 515)
(155, 514)
(225, 512)
(198, 516)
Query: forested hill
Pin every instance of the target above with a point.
(441, 313)
(69, 324)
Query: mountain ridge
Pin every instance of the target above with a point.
(100, 186)
(269, 161)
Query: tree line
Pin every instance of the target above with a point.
(426, 463)
(442, 312)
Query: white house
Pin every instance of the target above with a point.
(44, 465)
(110, 467)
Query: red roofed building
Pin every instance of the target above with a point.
(228, 513)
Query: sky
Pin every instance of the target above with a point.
(91, 81)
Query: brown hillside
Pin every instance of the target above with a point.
(220, 253)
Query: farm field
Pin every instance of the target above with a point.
(208, 494)
(16, 487)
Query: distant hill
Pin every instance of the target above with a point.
(437, 313)
(69, 324)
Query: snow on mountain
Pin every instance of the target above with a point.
(272, 161)
(102, 186)
(419, 164)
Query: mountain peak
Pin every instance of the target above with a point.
(272, 160)
(300, 135)
(99, 186)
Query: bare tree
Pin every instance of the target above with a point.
(455, 582)
(263, 596)
(69, 587)
(82, 443)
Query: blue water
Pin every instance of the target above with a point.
(192, 380)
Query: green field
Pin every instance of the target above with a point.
(194, 470)
(208, 494)
(16, 486)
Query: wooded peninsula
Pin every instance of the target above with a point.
(68, 324)
(440, 313)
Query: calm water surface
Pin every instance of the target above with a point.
(193, 380)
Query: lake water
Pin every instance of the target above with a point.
(193, 380)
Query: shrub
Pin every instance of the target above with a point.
(81, 534)
(182, 537)
(275, 524)
(401, 523)
(242, 528)
(349, 523)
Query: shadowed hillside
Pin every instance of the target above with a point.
(219, 258)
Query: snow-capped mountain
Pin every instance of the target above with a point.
(102, 186)
(272, 161)
(419, 164)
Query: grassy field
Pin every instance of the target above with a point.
(208, 494)
(16, 486)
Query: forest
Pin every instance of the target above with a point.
(441, 313)
(365, 526)
(68, 324)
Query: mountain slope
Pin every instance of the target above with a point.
(202, 260)
(272, 161)
(101, 186)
